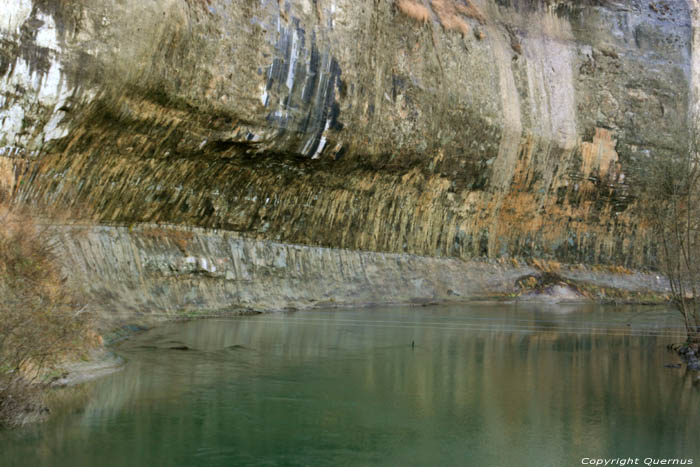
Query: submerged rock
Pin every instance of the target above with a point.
(688, 352)
(554, 294)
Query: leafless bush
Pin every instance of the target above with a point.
(42, 321)
(674, 188)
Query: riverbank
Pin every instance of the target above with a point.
(99, 363)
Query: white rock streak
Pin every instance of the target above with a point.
(13, 14)
(44, 93)
(47, 36)
(292, 60)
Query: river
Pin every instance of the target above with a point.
(479, 384)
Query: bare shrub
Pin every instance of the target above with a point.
(42, 322)
(674, 187)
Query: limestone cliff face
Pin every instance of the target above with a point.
(441, 128)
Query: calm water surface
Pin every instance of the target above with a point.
(487, 385)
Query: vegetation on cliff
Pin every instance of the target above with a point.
(675, 215)
(42, 321)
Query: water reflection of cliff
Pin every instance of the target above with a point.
(491, 382)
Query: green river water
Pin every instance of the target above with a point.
(482, 385)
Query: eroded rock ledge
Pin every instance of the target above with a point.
(153, 269)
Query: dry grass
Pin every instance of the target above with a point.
(42, 321)
(452, 14)
(414, 10)
(203, 3)
(554, 266)
(615, 269)
(470, 11)
(545, 265)
(450, 18)
(180, 238)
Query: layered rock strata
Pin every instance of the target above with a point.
(155, 269)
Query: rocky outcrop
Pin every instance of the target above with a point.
(446, 128)
(156, 269)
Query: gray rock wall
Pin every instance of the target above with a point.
(152, 269)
